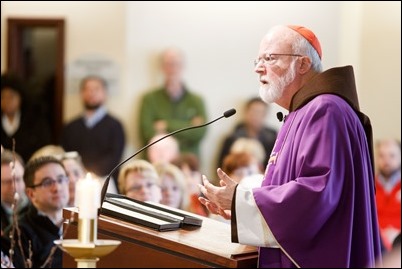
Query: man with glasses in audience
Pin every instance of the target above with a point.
(47, 188)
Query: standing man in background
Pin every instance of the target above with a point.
(316, 205)
(173, 106)
(19, 121)
(388, 189)
(96, 135)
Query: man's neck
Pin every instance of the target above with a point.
(252, 132)
(56, 216)
(174, 89)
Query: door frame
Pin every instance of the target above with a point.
(15, 28)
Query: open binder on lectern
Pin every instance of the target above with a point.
(152, 215)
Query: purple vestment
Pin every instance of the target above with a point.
(318, 194)
(318, 197)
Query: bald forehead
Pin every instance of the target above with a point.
(172, 55)
(389, 143)
(278, 37)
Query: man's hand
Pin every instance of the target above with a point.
(197, 121)
(218, 200)
(160, 126)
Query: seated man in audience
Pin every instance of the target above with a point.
(75, 169)
(47, 188)
(12, 170)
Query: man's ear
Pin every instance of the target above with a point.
(29, 193)
(305, 64)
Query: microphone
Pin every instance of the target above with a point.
(280, 116)
(227, 114)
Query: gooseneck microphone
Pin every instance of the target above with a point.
(227, 114)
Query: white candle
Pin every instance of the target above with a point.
(87, 197)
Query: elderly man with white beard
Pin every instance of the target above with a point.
(316, 205)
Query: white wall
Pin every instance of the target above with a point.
(220, 40)
(381, 67)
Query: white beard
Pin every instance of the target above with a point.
(273, 91)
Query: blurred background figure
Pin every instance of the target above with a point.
(75, 170)
(190, 166)
(242, 166)
(252, 126)
(96, 135)
(48, 150)
(11, 183)
(173, 106)
(29, 128)
(165, 150)
(173, 185)
(252, 147)
(388, 189)
(139, 180)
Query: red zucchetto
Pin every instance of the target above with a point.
(309, 35)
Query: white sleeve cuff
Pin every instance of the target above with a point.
(252, 228)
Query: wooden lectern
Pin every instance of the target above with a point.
(206, 246)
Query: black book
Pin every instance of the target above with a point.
(153, 215)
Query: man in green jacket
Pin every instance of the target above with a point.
(173, 106)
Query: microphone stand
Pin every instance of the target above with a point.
(227, 114)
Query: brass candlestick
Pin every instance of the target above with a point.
(86, 250)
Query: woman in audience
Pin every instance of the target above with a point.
(243, 168)
(139, 180)
(75, 170)
(173, 185)
(252, 147)
(190, 166)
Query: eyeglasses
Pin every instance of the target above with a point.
(272, 58)
(48, 182)
(138, 187)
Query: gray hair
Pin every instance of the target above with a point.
(303, 47)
